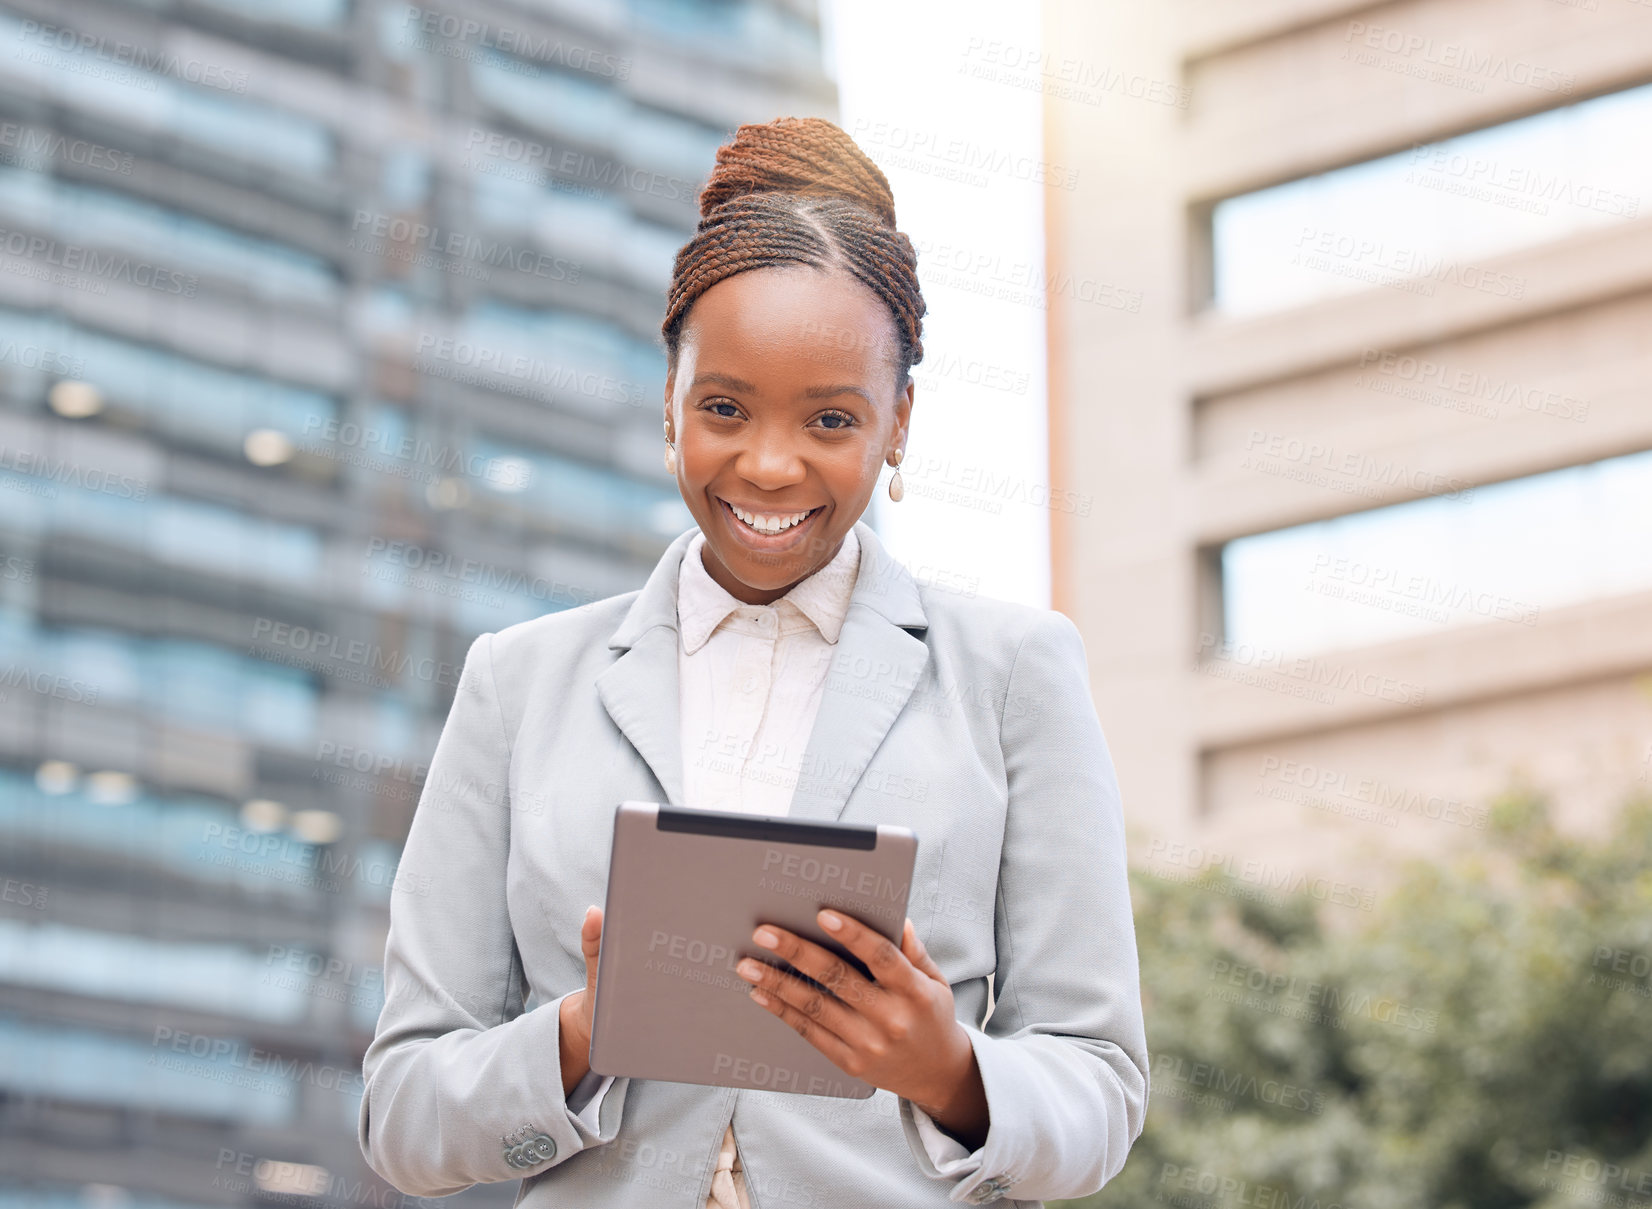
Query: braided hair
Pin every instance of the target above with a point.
(799, 191)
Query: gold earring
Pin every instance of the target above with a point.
(670, 453)
(896, 490)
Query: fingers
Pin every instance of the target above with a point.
(889, 965)
(917, 954)
(808, 1026)
(821, 964)
(590, 932)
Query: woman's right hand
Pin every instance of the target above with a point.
(575, 1017)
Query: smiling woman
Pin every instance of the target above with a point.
(778, 662)
(793, 323)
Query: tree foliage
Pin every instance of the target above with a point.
(1483, 1041)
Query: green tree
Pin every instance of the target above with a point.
(1484, 1041)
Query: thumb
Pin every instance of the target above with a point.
(590, 935)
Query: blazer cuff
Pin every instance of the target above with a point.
(588, 1115)
(587, 1099)
(986, 1173)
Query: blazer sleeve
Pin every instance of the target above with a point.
(1063, 1054)
(461, 1086)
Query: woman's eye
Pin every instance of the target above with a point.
(729, 414)
(846, 419)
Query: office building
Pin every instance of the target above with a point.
(1366, 471)
(328, 341)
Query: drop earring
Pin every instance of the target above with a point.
(670, 453)
(896, 490)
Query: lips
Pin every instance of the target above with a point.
(768, 543)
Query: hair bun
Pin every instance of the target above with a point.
(810, 157)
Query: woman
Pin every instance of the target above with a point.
(778, 660)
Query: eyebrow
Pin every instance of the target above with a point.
(813, 392)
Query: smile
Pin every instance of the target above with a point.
(768, 530)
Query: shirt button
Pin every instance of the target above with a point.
(766, 622)
(751, 683)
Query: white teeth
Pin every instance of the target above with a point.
(769, 524)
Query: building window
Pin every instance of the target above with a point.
(168, 249)
(154, 1071)
(1502, 554)
(1439, 213)
(317, 14)
(219, 117)
(542, 98)
(582, 496)
(228, 979)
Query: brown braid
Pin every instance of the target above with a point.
(799, 191)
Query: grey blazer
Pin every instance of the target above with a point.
(964, 718)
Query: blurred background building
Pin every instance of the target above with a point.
(1368, 532)
(328, 340)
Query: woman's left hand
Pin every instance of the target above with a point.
(898, 1031)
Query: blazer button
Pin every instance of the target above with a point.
(543, 1145)
(988, 1190)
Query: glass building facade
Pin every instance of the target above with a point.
(328, 341)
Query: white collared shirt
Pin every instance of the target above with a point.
(751, 678)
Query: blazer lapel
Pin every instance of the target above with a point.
(875, 666)
(640, 688)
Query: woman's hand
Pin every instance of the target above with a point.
(575, 1018)
(898, 1031)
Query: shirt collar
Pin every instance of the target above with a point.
(703, 604)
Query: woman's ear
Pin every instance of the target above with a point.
(903, 413)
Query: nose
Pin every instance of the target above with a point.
(770, 459)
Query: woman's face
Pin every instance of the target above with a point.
(783, 402)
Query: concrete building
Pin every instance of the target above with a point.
(1361, 545)
(328, 340)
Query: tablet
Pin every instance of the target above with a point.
(686, 889)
